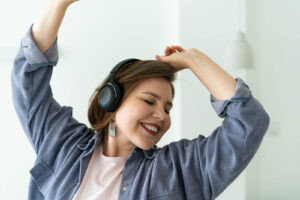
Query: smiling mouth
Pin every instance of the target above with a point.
(150, 129)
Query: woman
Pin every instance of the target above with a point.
(117, 158)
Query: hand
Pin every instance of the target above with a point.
(178, 57)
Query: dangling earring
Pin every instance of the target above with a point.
(111, 129)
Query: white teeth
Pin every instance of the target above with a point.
(154, 129)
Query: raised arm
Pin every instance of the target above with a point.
(39, 113)
(45, 29)
(211, 163)
(219, 83)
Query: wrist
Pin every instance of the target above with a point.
(196, 59)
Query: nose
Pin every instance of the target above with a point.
(160, 113)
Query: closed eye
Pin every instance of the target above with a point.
(149, 102)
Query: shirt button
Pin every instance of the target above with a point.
(125, 188)
(135, 152)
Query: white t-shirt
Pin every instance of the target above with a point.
(102, 179)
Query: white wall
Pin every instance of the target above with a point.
(96, 35)
(274, 28)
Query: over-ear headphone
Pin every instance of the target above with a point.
(111, 93)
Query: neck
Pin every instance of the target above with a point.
(115, 146)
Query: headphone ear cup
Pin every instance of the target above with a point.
(111, 93)
(109, 97)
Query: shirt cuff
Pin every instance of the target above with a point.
(242, 93)
(34, 55)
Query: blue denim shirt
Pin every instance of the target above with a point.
(187, 169)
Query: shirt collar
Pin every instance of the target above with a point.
(97, 137)
(150, 153)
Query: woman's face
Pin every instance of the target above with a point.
(143, 117)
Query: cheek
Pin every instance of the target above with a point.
(128, 115)
(167, 124)
(123, 117)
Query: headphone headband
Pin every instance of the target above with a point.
(114, 71)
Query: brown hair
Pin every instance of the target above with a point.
(129, 77)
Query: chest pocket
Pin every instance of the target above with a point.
(43, 176)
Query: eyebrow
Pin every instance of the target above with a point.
(158, 97)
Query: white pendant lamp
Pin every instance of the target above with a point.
(238, 54)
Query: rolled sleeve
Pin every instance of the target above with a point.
(31, 90)
(33, 54)
(242, 92)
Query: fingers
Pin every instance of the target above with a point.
(179, 48)
(169, 51)
(157, 57)
(173, 49)
(176, 48)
